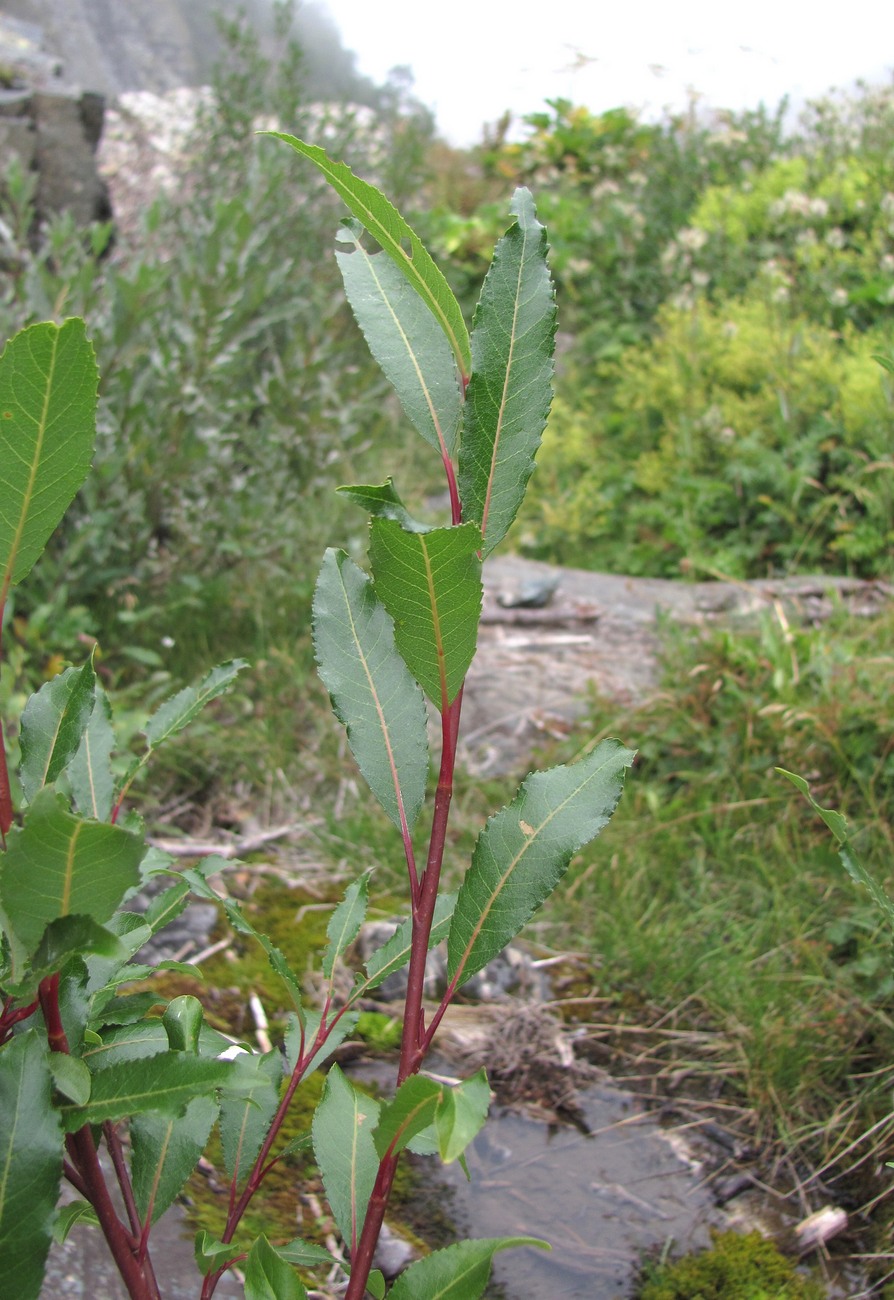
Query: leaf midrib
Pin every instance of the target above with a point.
(28, 495)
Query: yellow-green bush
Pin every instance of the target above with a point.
(744, 439)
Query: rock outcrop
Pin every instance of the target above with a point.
(52, 131)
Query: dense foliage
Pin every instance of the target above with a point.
(728, 285)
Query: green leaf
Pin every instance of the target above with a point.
(375, 1284)
(165, 1082)
(292, 1043)
(371, 688)
(304, 1254)
(30, 1164)
(244, 1120)
(90, 771)
(71, 1214)
(382, 500)
(48, 383)
(395, 952)
(53, 724)
(412, 1109)
(344, 923)
(461, 1115)
(837, 824)
(58, 865)
(211, 1254)
(345, 1152)
(302, 1142)
(177, 712)
(459, 1272)
(183, 1020)
(71, 1077)
(524, 850)
(513, 339)
(430, 584)
(167, 906)
(126, 1043)
(405, 340)
(402, 244)
(268, 1276)
(165, 1149)
(68, 935)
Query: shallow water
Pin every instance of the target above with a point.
(601, 1199)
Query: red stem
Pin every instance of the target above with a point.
(415, 1041)
(261, 1164)
(85, 1161)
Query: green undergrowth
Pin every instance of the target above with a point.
(295, 919)
(737, 1267)
(716, 904)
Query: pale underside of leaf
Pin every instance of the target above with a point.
(405, 340)
(389, 229)
(371, 688)
(343, 1127)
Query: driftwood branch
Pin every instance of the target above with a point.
(233, 849)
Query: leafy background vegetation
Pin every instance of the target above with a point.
(726, 288)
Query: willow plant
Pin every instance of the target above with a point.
(81, 1058)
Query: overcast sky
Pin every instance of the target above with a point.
(474, 58)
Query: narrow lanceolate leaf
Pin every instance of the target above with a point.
(269, 1277)
(30, 1165)
(166, 1082)
(403, 245)
(167, 906)
(837, 824)
(179, 711)
(165, 1149)
(198, 883)
(90, 771)
(513, 340)
(371, 688)
(344, 923)
(345, 1152)
(524, 850)
(58, 865)
(53, 725)
(48, 383)
(459, 1272)
(405, 340)
(430, 583)
(383, 501)
(244, 1120)
(395, 953)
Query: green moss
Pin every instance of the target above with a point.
(736, 1268)
(277, 1209)
(379, 1030)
